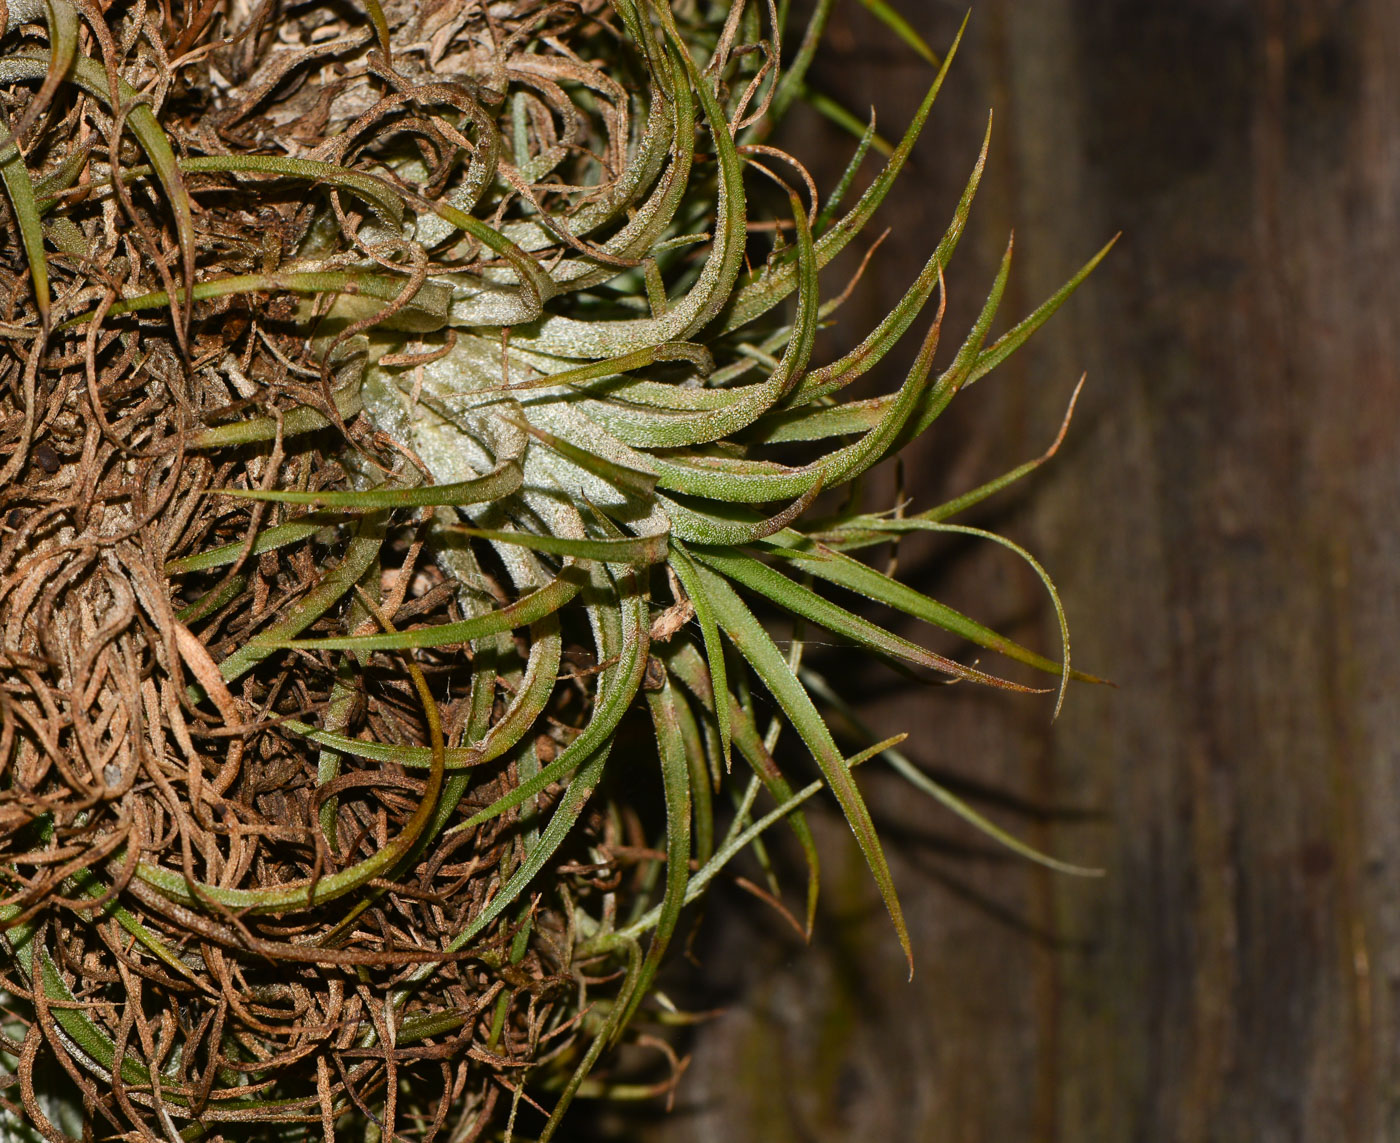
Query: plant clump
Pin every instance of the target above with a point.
(401, 408)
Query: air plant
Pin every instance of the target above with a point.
(403, 415)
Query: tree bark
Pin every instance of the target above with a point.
(1221, 524)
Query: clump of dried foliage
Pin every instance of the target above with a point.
(396, 408)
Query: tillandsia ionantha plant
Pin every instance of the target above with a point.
(403, 407)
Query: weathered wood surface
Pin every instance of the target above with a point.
(1223, 526)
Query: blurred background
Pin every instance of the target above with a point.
(1222, 523)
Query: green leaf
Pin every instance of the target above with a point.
(636, 481)
(638, 551)
(748, 636)
(500, 482)
(803, 601)
(831, 109)
(522, 612)
(267, 540)
(694, 588)
(840, 373)
(378, 193)
(742, 405)
(901, 27)
(845, 571)
(747, 481)
(20, 188)
(362, 550)
(431, 299)
(848, 177)
(788, 807)
(761, 296)
(94, 80)
(922, 782)
(295, 422)
(687, 665)
(572, 337)
(675, 781)
(621, 629)
(1014, 338)
(731, 524)
(917, 525)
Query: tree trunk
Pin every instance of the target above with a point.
(1221, 524)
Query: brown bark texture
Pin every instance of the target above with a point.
(1222, 525)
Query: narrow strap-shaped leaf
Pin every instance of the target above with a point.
(500, 482)
(906, 414)
(686, 664)
(848, 176)
(671, 126)
(719, 479)
(840, 373)
(772, 287)
(850, 533)
(381, 30)
(636, 480)
(820, 423)
(856, 533)
(675, 782)
(522, 612)
(532, 276)
(412, 757)
(432, 298)
(362, 550)
(572, 337)
(93, 79)
(612, 368)
(1016, 336)
(530, 699)
(1064, 671)
(489, 740)
(734, 524)
(638, 551)
(922, 782)
(622, 640)
(69, 1015)
(560, 826)
(788, 807)
(380, 194)
(955, 376)
(746, 404)
(295, 422)
(848, 572)
(61, 19)
(625, 639)
(267, 540)
(600, 1041)
(803, 601)
(211, 601)
(887, 15)
(340, 709)
(791, 82)
(747, 634)
(694, 588)
(87, 882)
(702, 765)
(61, 177)
(20, 188)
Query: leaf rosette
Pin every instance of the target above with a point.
(478, 436)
